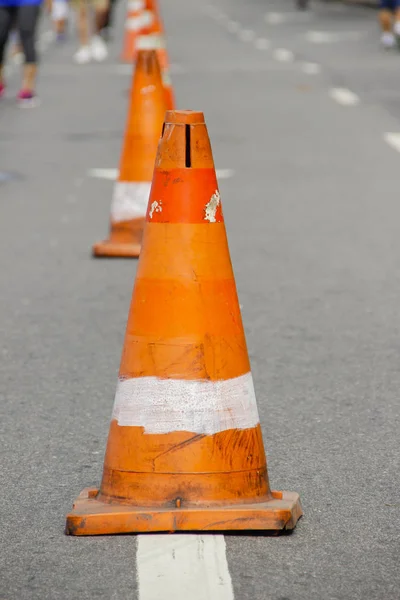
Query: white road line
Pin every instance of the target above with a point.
(283, 55)
(183, 567)
(262, 44)
(112, 174)
(332, 37)
(393, 139)
(276, 18)
(232, 26)
(344, 96)
(246, 35)
(310, 68)
(273, 18)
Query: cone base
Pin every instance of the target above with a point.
(92, 517)
(116, 249)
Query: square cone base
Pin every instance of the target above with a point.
(116, 250)
(93, 517)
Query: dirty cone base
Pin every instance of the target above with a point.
(93, 517)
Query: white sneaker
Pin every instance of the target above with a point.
(83, 55)
(388, 39)
(98, 49)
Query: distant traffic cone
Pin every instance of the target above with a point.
(152, 38)
(185, 448)
(151, 42)
(132, 189)
(137, 18)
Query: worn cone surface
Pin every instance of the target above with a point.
(131, 191)
(185, 449)
(137, 18)
(152, 37)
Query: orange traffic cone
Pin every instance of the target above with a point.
(152, 37)
(132, 189)
(137, 18)
(185, 448)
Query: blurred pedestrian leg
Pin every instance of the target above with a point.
(24, 14)
(16, 51)
(59, 15)
(106, 26)
(389, 18)
(91, 15)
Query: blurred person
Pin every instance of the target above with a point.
(59, 16)
(389, 18)
(302, 4)
(23, 15)
(91, 16)
(16, 52)
(108, 21)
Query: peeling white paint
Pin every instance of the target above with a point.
(155, 207)
(148, 89)
(211, 207)
(130, 200)
(201, 406)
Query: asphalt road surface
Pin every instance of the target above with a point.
(303, 111)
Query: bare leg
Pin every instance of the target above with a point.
(83, 24)
(29, 77)
(385, 19)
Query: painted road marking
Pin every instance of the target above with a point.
(183, 567)
(344, 96)
(246, 35)
(277, 18)
(233, 26)
(283, 55)
(310, 68)
(112, 174)
(262, 44)
(332, 37)
(393, 139)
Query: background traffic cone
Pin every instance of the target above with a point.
(152, 37)
(185, 449)
(132, 189)
(137, 18)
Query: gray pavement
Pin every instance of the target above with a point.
(313, 219)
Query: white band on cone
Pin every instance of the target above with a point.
(130, 200)
(135, 5)
(143, 20)
(202, 406)
(152, 41)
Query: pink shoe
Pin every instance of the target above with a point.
(27, 98)
(2, 90)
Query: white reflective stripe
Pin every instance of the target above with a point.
(152, 41)
(183, 567)
(145, 19)
(201, 406)
(130, 200)
(135, 5)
